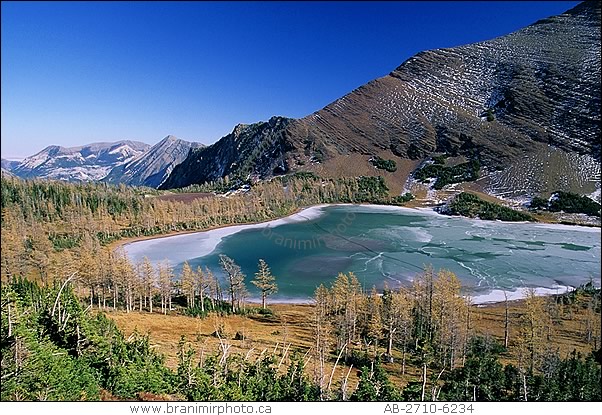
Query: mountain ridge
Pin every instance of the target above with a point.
(153, 166)
(497, 100)
(80, 163)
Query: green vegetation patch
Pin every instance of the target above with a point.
(384, 164)
(54, 350)
(464, 172)
(371, 188)
(404, 198)
(470, 205)
(567, 202)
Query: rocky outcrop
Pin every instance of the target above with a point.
(255, 149)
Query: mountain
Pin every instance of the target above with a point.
(128, 162)
(153, 166)
(8, 165)
(258, 148)
(84, 163)
(530, 94)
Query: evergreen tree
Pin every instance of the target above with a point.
(480, 379)
(374, 385)
(265, 281)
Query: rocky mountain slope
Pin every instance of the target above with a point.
(540, 84)
(498, 100)
(257, 149)
(84, 163)
(152, 167)
(8, 165)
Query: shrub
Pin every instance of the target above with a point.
(574, 203)
(384, 164)
(538, 203)
(465, 172)
(470, 205)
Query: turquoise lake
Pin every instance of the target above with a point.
(391, 245)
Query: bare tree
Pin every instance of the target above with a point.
(321, 335)
(201, 283)
(506, 321)
(148, 281)
(236, 281)
(187, 280)
(165, 283)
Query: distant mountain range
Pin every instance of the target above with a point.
(7, 166)
(129, 162)
(83, 163)
(152, 167)
(533, 92)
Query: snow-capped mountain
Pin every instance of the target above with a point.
(89, 162)
(152, 167)
(7, 166)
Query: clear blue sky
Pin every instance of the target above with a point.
(75, 73)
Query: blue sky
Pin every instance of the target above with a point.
(75, 73)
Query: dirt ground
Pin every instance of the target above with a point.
(290, 329)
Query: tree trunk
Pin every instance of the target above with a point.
(403, 360)
(232, 296)
(10, 322)
(423, 382)
(390, 344)
(506, 321)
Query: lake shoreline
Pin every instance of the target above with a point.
(423, 209)
(493, 296)
(125, 241)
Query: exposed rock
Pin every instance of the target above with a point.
(249, 149)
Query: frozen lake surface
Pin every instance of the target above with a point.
(391, 244)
